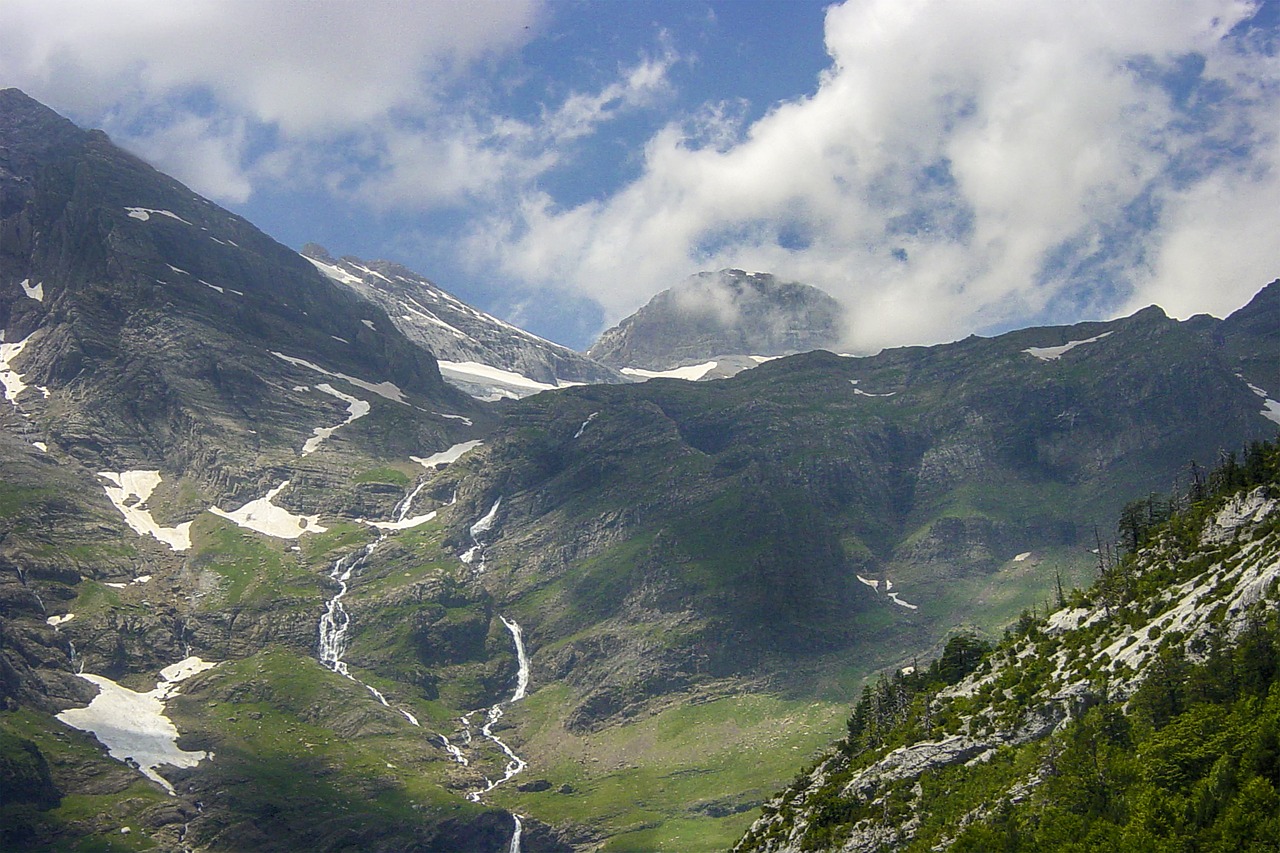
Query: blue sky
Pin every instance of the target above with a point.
(941, 167)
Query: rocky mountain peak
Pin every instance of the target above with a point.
(726, 313)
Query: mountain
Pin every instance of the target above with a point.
(479, 353)
(690, 551)
(268, 582)
(726, 317)
(1142, 714)
(198, 427)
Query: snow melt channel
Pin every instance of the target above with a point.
(356, 409)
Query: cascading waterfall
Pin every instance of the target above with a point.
(474, 556)
(401, 510)
(515, 836)
(335, 624)
(515, 764)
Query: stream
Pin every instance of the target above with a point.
(334, 637)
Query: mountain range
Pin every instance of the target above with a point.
(276, 573)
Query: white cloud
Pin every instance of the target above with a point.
(960, 166)
(305, 71)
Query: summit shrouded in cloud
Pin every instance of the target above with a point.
(937, 167)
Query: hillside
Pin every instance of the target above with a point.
(268, 581)
(1140, 714)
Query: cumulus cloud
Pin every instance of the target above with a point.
(960, 166)
(296, 71)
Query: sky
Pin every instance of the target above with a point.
(942, 167)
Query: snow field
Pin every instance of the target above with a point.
(133, 726)
(129, 493)
(263, 516)
(444, 457)
(1055, 353)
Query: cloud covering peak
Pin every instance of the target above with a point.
(953, 167)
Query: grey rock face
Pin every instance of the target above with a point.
(725, 313)
(456, 332)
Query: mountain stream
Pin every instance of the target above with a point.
(334, 637)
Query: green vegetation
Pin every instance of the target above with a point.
(1191, 761)
(1194, 764)
(253, 569)
(385, 474)
(316, 763)
(16, 500)
(40, 759)
(687, 778)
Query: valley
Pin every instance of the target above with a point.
(314, 585)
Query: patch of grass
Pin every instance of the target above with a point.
(313, 755)
(253, 568)
(687, 778)
(341, 534)
(384, 474)
(14, 500)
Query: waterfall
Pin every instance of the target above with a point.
(515, 836)
(515, 764)
(336, 622)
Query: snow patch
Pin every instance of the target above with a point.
(36, 292)
(475, 373)
(901, 603)
(55, 621)
(10, 378)
(41, 446)
(356, 409)
(691, 373)
(133, 726)
(874, 584)
(1024, 555)
(386, 390)
(859, 392)
(262, 516)
(1054, 353)
(444, 457)
(334, 272)
(130, 494)
(145, 213)
(1270, 408)
(369, 325)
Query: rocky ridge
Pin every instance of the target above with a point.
(484, 356)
